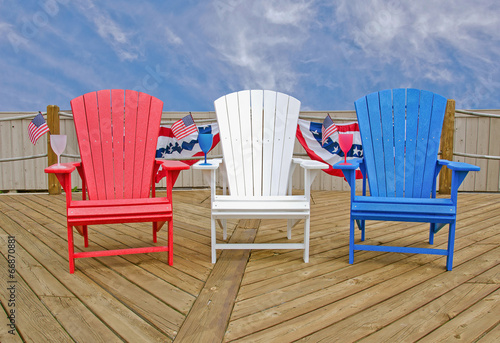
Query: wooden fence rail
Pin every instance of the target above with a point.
(467, 136)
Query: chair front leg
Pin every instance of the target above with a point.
(170, 242)
(351, 241)
(451, 246)
(307, 235)
(213, 239)
(71, 250)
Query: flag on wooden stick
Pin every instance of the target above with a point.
(184, 127)
(328, 129)
(37, 128)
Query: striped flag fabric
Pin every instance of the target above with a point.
(184, 127)
(310, 137)
(37, 128)
(170, 148)
(328, 129)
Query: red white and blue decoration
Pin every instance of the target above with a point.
(169, 147)
(310, 137)
(185, 128)
(328, 129)
(37, 128)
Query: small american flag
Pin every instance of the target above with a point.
(184, 127)
(327, 129)
(37, 128)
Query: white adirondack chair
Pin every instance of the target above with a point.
(257, 132)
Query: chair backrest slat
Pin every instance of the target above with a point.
(82, 133)
(246, 139)
(131, 103)
(153, 130)
(118, 115)
(435, 127)
(117, 133)
(256, 102)
(268, 141)
(104, 103)
(257, 130)
(400, 131)
(91, 108)
(399, 101)
(388, 140)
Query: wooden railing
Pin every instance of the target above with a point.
(449, 141)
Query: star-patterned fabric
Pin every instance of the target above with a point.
(310, 137)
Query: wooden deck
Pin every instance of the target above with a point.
(258, 296)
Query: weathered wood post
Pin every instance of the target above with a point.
(447, 146)
(53, 123)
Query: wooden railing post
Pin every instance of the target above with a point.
(53, 123)
(447, 146)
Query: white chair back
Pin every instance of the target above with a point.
(257, 133)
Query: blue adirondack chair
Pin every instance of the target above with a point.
(400, 133)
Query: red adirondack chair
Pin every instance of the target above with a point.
(117, 133)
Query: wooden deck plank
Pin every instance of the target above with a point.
(6, 335)
(44, 247)
(32, 319)
(274, 296)
(436, 313)
(134, 276)
(306, 315)
(493, 335)
(391, 309)
(210, 313)
(471, 324)
(80, 323)
(301, 282)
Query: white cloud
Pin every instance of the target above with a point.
(256, 40)
(110, 31)
(172, 38)
(288, 12)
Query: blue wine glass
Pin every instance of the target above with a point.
(205, 141)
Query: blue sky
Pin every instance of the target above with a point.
(327, 54)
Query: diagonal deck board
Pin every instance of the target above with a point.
(266, 295)
(212, 309)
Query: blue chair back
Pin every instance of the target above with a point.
(400, 132)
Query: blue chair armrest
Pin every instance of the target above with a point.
(354, 164)
(458, 166)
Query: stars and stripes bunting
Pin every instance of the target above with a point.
(310, 137)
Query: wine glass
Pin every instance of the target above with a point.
(345, 142)
(58, 144)
(205, 141)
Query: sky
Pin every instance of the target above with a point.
(188, 53)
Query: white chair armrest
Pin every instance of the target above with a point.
(214, 164)
(311, 164)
